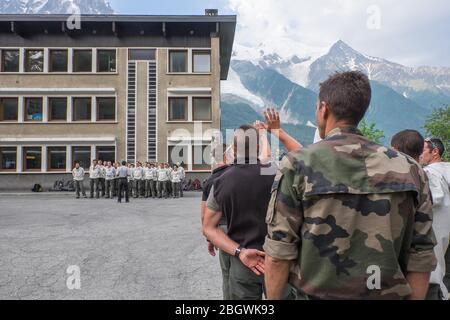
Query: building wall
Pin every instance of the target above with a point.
(117, 129)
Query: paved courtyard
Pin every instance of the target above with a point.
(148, 249)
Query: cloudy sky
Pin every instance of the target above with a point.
(410, 32)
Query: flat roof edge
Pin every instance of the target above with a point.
(120, 18)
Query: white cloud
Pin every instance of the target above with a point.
(413, 31)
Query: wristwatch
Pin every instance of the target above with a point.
(238, 251)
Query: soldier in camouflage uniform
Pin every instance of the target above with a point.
(349, 218)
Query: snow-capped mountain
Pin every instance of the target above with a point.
(55, 7)
(407, 81)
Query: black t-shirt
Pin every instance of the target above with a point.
(243, 193)
(210, 182)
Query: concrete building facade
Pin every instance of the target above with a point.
(135, 88)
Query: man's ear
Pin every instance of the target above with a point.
(325, 110)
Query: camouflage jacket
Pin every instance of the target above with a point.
(343, 209)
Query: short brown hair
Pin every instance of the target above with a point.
(409, 142)
(348, 94)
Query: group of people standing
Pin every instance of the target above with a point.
(345, 218)
(122, 180)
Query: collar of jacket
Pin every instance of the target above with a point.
(343, 130)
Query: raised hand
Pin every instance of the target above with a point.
(254, 260)
(273, 121)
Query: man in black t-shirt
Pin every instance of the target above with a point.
(223, 257)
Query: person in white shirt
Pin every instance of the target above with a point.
(439, 175)
(183, 178)
(110, 173)
(78, 178)
(154, 187)
(163, 179)
(101, 178)
(94, 175)
(131, 184)
(138, 176)
(148, 178)
(175, 178)
(122, 174)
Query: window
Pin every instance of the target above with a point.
(178, 109)
(106, 109)
(201, 61)
(201, 156)
(32, 157)
(33, 109)
(81, 109)
(82, 60)
(58, 61)
(57, 158)
(142, 54)
(34, 60)
(8, 109)
(106, 153)
(8, 158)
(178, 61)
(178, 154)
(201, 108)
(82, 155)
(106, 60)
(57, 109)
(10, 60)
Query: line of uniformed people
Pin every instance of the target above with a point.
(149, 180)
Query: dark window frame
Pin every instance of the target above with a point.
(24, 157)
(74, 61)
(98, 60)
(97, 117)
(50, 60)
(203, 52)
(27, 64)
(186, 112)
(49, 158)
(25, 113)
(98, 151)
(1, 159)
(193, 109)
(89, 119)
(50, 118)
(171, 51)
(2, 51)
(74, 151)
(2, 109)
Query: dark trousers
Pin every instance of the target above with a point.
(162, 189)
(94, 187)
(181, 188)
(138, 187)
(123, 188)
(102, 185)
(115, 187)
(79, 186)
(109, 188)
(150, 189)
(176, 189)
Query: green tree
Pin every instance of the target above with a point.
(438, 126)
(369, 131)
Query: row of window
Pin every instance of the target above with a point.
(82, 59)
(58, 108)
(56, 157)
(179, 109)
(58, 60)
(179, 61)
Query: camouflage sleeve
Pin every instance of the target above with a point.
(284, 216)
(421, 253)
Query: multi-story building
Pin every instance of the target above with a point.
(112, 87)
